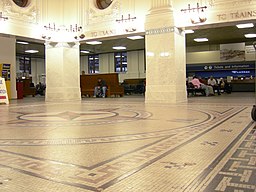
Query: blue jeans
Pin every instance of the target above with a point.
(100, 91)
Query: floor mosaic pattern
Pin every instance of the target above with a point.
(125, 145)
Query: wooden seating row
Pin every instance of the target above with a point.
(136, 85)
(89, 81)
(193, 90)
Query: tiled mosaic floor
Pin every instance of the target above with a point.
(125, 145)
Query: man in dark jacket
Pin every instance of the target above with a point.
(100, 89)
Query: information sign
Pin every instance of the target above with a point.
(3, 92)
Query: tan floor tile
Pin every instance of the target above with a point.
(123, 144)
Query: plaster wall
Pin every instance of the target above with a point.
(217, 11)
(136, 65)
(8, 55)
(96, 23)
(211, 57)
(83, 64)
(38, 70)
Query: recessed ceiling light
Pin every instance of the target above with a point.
(201, 39)
(84, 51)
(189, 31)
(150, 54)
(119, 47)
(94, 42)
(164, 54)
(22, 42)
(118, 56)
(135, 37)
(246, 25)
(251, 35)
(31, 51)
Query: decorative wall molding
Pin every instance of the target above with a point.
(161, 3)
(218, 11)
(160, 30)
(96, 15)
(27, 14)
(51, 45)
(235, 3)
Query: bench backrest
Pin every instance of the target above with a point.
(89, 81)
(136, 81)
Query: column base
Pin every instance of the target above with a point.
(166, 96)
(63, 94)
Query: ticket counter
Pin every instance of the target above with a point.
(245, 85)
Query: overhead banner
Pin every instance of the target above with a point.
(3, 92)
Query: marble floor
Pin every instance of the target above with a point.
(124, 145)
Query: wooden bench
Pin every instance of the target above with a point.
(89, 81)
(134, 86)
(193, 90)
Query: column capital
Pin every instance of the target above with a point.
(157, 31)
(161, 3)
(160, 16)
(49, 44)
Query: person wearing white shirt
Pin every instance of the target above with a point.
(213, 83)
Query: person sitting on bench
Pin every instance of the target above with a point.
(100, 89)
(197, 84)
(212, 82)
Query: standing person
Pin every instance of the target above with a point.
(195, 81)
(212, 82)
(100, 89)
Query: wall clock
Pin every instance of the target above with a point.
(103, 4)
(21, 3)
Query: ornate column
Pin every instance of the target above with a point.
(62, 72)
(165, 56)
(160, 3)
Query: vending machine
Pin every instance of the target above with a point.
(5, 72)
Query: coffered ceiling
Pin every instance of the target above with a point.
(216, 34)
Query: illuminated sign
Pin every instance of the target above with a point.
(241, 72)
